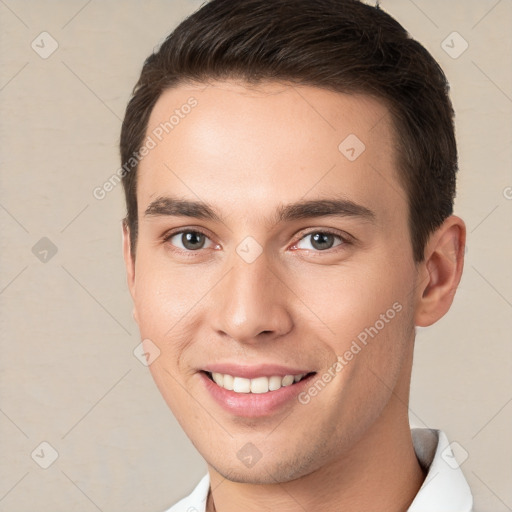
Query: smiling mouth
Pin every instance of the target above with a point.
(258, 385)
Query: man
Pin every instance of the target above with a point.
(289, 171)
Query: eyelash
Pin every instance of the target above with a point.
(345, 239)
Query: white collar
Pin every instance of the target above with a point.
(444, 490)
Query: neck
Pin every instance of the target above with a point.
(380, 472)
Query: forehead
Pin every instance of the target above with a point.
(234, 144)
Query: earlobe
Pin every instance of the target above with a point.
(441, 271)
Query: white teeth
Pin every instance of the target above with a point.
(227, 382)
(259, 385)
(274, 383)
(256, 385)
(241, 385)
(288, 380)
(218, 378)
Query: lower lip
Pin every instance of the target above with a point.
(252, 405)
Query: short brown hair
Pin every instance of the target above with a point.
(341, 45)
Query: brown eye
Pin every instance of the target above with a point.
(188, 240)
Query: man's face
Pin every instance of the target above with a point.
(252, 294)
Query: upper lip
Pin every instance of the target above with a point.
(251, 372)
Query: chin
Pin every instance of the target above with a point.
(265, 472)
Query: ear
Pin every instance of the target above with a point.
(129, 262)
(440, 272)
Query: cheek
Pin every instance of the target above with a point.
(163, 297)
(351, 300)
(169, 300)
(371, 322)
(164, 304)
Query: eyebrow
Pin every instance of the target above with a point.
(333, 207)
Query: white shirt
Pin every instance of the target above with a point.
(444, 490)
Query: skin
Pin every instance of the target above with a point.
(246, 150)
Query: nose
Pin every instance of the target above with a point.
(252, 302)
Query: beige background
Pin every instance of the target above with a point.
(68, 373)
